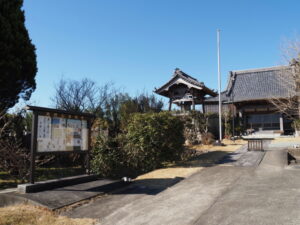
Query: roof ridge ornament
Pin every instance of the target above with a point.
(177, 71)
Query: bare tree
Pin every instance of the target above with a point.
(74, 95)
(290, 80)
(81, 96)
(14, 156)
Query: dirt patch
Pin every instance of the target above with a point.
(33, 215)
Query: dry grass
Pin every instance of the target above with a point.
(289, 139)
(230, 146)
(33, 215)
(170, 173)
(163, 178)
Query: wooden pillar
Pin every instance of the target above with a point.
(88, 154)
(170, 104)
(33, 146)
(193, 102)
(203, 107)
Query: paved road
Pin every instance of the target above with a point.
(225, 194)
(268, 195)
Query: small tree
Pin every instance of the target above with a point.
(18, 65)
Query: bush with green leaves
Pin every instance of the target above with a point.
(108, 156)
(153, 138)
(148, 140)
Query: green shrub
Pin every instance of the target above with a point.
(107, 157)
(147, 140)
(153, 138)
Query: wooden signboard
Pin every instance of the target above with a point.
(59, 132)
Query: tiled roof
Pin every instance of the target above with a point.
(188, 78)
(258, 84)
(180, 74)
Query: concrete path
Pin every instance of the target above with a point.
(179, 204)
(268, 195)
(182, 202)
(242, 157)
(234, 192)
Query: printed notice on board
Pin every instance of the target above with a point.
(61, 134)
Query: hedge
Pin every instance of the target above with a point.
(148, 140)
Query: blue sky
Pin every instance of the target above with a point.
(137, 44)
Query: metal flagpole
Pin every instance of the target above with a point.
(219, 84)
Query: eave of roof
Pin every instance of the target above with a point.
(194, 83)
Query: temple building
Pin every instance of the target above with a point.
(184, 91)
(248, 95)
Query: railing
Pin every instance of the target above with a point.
(257, 144)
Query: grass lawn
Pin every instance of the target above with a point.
(7, 181)
(33, 215)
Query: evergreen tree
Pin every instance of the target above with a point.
(18, 65)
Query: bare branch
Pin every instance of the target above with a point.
(289, 80)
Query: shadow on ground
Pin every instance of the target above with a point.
(150, 186)
(208, 159)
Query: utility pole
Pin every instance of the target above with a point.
(219, 84)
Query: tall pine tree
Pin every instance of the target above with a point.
(18, 66)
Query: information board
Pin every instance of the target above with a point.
(61, 134)
(56, 131)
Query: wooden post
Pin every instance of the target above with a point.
(88, 167)
(193, 102)
(33, 145)
(170, 104)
